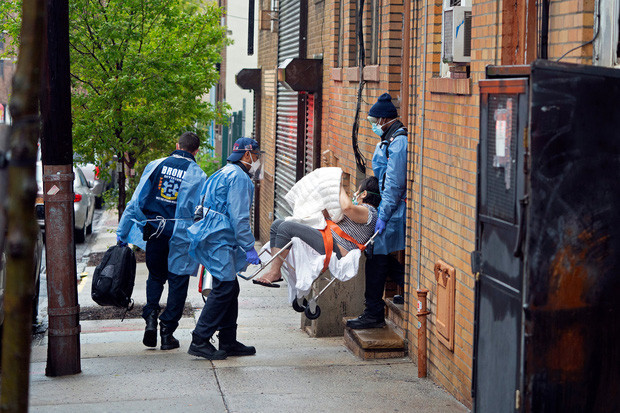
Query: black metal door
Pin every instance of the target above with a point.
(498, 322)
(572, 330)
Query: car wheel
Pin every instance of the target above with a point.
(80, 234)
(89, 228)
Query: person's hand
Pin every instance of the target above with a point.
(380, 227)
(119, 242)
(251, 256)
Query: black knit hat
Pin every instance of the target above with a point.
(384, 108)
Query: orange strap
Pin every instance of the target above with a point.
(334, 227)
(328, 240)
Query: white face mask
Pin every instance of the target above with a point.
(254, 166)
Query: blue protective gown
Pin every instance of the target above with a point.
(219, 240)
(392, 174)
(133, 220)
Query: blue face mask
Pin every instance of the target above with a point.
(377, 129)
(354, 200)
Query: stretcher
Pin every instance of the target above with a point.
(308, 306)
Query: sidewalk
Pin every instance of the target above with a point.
(291, 371)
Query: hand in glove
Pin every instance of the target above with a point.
(380, 227)
(119, 242)
(251, 256)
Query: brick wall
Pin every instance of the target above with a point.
(443, 169)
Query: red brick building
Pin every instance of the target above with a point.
(434, 81)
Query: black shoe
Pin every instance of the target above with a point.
(237, 349)
(366, 321)
(206, 350)
(150, 332)
(168, 342)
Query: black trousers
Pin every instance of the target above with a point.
(157, 264)
(378, 268)
(220, 311)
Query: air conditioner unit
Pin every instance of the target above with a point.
(456, 36)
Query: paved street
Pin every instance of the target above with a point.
(291, 371)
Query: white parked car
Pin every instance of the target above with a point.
(83, 203)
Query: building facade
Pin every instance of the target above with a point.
(430, 56)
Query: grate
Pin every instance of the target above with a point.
(501, 188)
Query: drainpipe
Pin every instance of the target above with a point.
(422, 313)
(422, 111)
(422, 306)
(404, 92)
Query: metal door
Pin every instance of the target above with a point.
(287, 108)
(498, 307)
(572, 355)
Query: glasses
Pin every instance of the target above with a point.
(372, 119)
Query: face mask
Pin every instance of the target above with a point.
(377, 129)
(356, 198)
(254, 167)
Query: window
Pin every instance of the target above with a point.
(371, 26)
(340, 38)
(607, 42)
(373, 38)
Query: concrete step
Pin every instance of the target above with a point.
(374, 343)
(396, 316)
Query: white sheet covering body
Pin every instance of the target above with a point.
(304, 264)
(313, 193)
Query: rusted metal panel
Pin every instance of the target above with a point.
(63, 309)
(572, 310)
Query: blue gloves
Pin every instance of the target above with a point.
(119, 242)
(380, 227)
(251, 256)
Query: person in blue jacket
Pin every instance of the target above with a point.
(389, 164)
(223, 242)
(156, 219)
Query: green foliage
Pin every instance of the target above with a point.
(208, 163)
(139, 72)
(10, 25)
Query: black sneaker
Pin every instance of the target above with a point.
(206, 350)
(366, 321)
(237, 349)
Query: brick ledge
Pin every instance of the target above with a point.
(450, 86)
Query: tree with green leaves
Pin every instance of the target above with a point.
(140, 70)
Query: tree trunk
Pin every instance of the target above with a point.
(22, 229)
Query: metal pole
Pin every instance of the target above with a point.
(63, 351)
(422, 313)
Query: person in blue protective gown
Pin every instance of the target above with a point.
(223, 242)
(389, 164)
(156, 219)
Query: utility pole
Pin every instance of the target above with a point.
(63, 351)
(22, 228)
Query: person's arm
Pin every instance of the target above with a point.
(239, 200)
(395, 178)
(356, 213)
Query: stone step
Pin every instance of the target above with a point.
(374, 343)
(396, 316)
